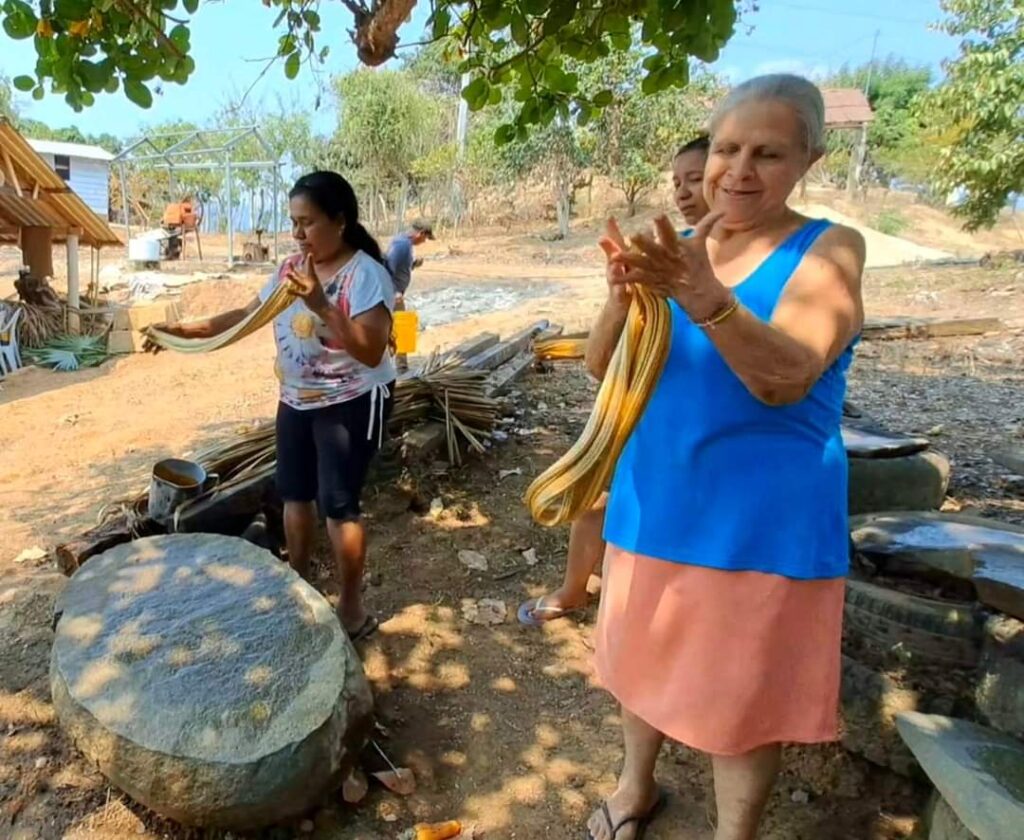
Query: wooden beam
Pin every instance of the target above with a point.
(35, 192)
(74, 319)
(12, 176)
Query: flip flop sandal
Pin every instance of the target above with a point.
(366, 629)
(642, 821)
(527, 612)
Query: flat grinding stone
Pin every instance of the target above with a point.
(207, 680)
(866, 441)
(979, 772)
(986, 552)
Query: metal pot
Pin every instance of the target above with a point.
(174, 481)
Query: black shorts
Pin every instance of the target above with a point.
(323, 454)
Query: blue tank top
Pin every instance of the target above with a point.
(713, 477)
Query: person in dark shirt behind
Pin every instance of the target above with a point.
(400, 261)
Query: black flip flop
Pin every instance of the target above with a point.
(366, 629)
(642, 820)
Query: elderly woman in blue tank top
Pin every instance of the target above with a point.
(722, 604)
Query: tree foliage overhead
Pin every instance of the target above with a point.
(518, 49)
(635, 136)
(982, 98)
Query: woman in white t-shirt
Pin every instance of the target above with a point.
(336, 373)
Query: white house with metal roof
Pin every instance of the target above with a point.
(84, 168)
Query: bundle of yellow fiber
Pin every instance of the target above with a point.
(560, 349)
(273, 306)
(573, 484)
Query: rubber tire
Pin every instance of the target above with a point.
(910, 482)
(931, 631)
(999, 694)
(869, 702)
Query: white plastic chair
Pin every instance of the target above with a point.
(10, 357)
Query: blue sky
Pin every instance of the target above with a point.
(805, 36)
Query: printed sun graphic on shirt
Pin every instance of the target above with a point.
(303, 325)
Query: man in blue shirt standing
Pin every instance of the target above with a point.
(400, 261)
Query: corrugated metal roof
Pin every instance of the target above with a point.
(846, 108)
(58, 147)
(44, 200)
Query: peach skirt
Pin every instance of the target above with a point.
(723, 662)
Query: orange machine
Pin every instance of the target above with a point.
(180, 217)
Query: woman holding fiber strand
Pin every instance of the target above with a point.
(722, 599)
(336, 373)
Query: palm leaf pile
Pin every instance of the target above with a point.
(69, 352)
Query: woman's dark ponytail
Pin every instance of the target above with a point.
(334, 196)
(358, 237)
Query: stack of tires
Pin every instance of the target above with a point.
(933, 632)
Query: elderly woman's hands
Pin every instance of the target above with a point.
(674, 268)
(614, 243)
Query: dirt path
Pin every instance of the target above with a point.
(503, 726)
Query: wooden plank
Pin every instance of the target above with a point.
(909, 328)
(473, 346)
(554, 331)
(502, 378)
(12, 176)
(501, 353)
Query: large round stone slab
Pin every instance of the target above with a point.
(207, 680)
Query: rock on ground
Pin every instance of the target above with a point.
(207, 680)
(978, 771)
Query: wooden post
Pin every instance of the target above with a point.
(857, 156)
(37, 250)
(74, 322)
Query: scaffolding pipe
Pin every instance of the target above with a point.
(124, 207)
(227, 179)
(277, 211)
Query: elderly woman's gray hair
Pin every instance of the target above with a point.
(796, 91)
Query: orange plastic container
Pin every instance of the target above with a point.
(406, 327)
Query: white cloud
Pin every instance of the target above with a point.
(792, 65)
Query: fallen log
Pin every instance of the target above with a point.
(227, 510)
(119, 529)
(911, 328)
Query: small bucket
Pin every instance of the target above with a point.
(174, 481)
(406, 326)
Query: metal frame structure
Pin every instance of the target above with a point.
(174, 151)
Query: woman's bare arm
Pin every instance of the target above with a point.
(819, 314)
(214, 325)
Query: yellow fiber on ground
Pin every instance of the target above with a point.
(560, 349)
(273, 306)
(573, 484)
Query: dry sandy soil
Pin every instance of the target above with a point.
(503, 726)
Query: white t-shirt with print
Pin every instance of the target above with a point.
(313, 370)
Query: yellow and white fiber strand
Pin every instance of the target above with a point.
(273, 306)
(574, 483)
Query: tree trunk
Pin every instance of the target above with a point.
(630, 205)
(562, 209)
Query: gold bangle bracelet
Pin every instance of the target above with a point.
(725, 312)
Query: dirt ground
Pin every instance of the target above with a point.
(503, 726)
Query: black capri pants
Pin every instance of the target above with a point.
(323, 454)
